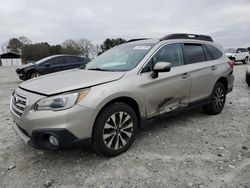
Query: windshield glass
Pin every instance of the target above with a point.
(121, 58)
(230, 50)
(42, 60)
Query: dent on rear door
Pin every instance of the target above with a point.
(165, 93)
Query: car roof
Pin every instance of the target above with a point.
(177, 37)
(64, 55)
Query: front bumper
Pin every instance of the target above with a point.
(21, 74)
(72, 126)
(231, 58)
(22, 77)
(39, 138)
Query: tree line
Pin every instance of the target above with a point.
(83, 47)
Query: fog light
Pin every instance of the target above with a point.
(53, 140)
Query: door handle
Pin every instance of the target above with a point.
(213, 67)
(184, 75)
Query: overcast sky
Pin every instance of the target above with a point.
(227, 21)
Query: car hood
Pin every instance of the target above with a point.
(27, 65)
(69, 80)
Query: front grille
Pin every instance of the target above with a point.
(18, 104)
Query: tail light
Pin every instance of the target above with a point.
(231, 63)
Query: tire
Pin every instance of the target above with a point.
(35, 74)
(106, 131)
(218, 100)
(248, 78)
(245, 61)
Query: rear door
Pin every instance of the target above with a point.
(200, 66)
(72, 62)
(170, 90)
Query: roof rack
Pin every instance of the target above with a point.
(133, 40)
(187, 36)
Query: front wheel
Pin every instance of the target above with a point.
(35, 74)
(218, 100)
(115, 129)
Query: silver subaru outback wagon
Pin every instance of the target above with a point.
(105, 103)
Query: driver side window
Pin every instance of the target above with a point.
(171, 53)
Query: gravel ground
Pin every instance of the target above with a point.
(190, 149)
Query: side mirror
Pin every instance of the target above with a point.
(160, 67)
(239, 51)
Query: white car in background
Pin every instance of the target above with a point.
(238, 54)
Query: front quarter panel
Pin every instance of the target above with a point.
(101, 95)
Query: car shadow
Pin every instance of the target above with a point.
(154, 126)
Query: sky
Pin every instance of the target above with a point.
(54, 21)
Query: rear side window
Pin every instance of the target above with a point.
(242, 50)
(214, 51)
(194, 53)
(207, 54)
(72, 59)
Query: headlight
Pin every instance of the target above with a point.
(60, 102)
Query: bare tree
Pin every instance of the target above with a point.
(86, 48)
(69, 43)
(4, 47)
(24, 40)
(82, 47)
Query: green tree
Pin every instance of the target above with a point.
(110, 43)
(15, 45)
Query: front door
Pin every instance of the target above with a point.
(170, 90)
(54, 65)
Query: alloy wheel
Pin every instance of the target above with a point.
(35, 75)
(118, 130)
(219, 98)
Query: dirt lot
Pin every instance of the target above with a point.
(189, 150)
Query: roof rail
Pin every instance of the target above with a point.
(133, 40)
(187, 36)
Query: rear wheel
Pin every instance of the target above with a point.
(245, 61)
(218, 100)
(35, 74)
(115, 129)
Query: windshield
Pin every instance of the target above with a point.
(42, 60)
(230, 50)
(121, 58)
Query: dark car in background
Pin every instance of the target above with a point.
(49, 65)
